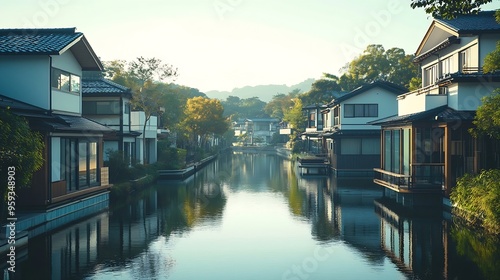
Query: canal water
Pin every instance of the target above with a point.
(251, 216)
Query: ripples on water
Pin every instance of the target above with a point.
(251, 217)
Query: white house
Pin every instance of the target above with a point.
(41, 72)
(352, 143)
(427, 146)
(150, 146)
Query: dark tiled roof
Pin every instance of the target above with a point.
(36, 41)
(473, 23)
(103, 86)
(442, 114)
(76, 124)
(396, 89)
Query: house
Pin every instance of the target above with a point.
(427, 146)
(108, 103)
(41, 72)
(351, 142)
(261, 130)
(314, 128)
(150, 145)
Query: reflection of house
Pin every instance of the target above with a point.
(352, 143)
(426, 147)
(418, 243)
(108, 103)
(41, 73)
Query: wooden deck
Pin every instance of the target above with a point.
(313, 165)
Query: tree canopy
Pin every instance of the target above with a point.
(20, 148)
(487, 119)
(449, 8)
(203, 117)
(238, 108)
(374, 64)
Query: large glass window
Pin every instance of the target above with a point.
(93, 162)
(82, 164)
(101, 107)
(360, 110)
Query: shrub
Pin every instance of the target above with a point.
(477, 199)
(119, 170)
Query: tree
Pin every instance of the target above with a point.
(143, 77)
(449, 8)
(322, 90)
(280, 103)
(487, 119)
(238, 108)
(203, 117)
(296, 120)
(21, 148)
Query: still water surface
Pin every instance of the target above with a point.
(248, 216)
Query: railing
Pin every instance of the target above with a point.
(426, 177)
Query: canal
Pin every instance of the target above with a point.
(251, 216)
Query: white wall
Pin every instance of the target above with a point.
(470, 94)
(26, 78)
(387, 106)
(64, 101)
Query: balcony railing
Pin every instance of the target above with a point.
(426, 177)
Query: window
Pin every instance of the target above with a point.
(65, 81)
(78, 163)
(101, 107)
(360, 146)
(430, 75)
(127, 108)
(360, 110)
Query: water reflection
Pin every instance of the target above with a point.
(252, 217)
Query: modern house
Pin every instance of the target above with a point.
(150, 145)
(427, 146)
(108, 103)
(314, 128)
(258, 130)
(41, 72)
(351, 142)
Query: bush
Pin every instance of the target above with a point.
(170, 158)
(477, 199)
(119, 170)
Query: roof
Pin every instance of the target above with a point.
(52, 122)
(391, 87)
(441, 114)
(101, 86)
(49, 41)
(482, 22)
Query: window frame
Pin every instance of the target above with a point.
(74, 82)
(360, 110)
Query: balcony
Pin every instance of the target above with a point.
(425, 178)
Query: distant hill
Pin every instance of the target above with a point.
(263, 92)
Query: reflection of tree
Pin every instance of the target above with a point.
(481, 248)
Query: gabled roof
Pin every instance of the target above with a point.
(393, 88)
(50, 41)
(103, 87)
(441, 114)
(443, 32)
(482, 22)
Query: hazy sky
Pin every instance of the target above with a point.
(222, 44)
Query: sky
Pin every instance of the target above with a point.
(223, 44)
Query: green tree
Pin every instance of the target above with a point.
(143, 77)
(21, 148)
(296, 121)
(449, 8)
(280, 103)
(487, 119)
(203, 117)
